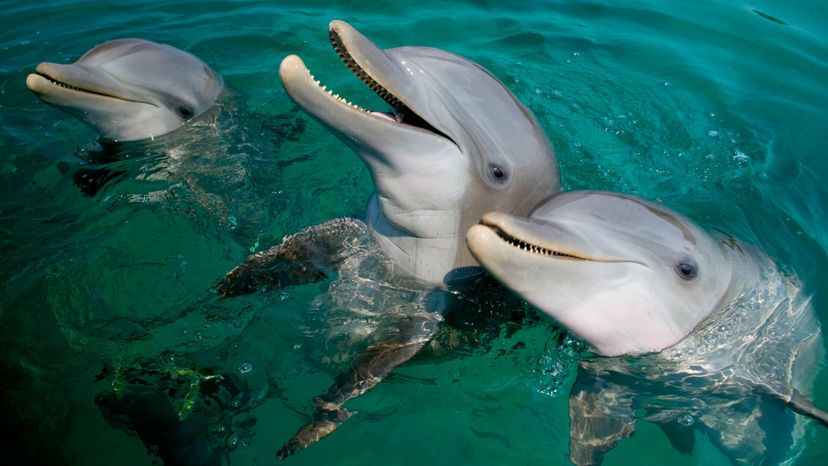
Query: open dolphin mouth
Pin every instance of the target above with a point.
(395, 103)
(399, 113)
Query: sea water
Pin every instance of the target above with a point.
(715, 108)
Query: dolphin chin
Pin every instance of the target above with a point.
(129, 89)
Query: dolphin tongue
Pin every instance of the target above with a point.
(387, 116)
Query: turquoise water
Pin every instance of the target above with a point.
(716, 109)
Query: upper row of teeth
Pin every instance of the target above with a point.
(354, 66)
(63, 85)
(523, 245)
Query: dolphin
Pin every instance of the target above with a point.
(687, 329)
(129, 89)
(455, 144)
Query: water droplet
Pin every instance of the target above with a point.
(232, 441)
(246, 367)
(686, 420)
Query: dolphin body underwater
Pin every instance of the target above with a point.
(691, 330)
(457, 144)
(129, 89)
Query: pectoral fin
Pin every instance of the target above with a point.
(600, 414)
(299, 259)
(372, 366)
(800, 404)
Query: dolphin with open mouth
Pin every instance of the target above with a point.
(129, 89)
(455, 144)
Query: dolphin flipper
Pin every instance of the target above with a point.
(372, 366)
(600, 415)
(680, 437)
(800, 404)
(297, 260)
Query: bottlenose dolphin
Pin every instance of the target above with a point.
(129, 89)
(456, 144)
(689, 329)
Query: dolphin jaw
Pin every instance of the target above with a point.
(509, 230)
(306, 90)
(400, 113)
(48, 80)
(498, 224)
(351, 63)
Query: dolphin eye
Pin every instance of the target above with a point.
(497, 173)
(185, 112)
(687, 270)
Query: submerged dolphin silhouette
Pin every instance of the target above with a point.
(692, 328)
(455, 145)
(129, 89)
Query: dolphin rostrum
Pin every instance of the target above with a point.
(456, 144)
(689, 329)
(129, 89)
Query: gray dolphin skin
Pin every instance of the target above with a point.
(129, 89)
(456, 144)
(689, 330)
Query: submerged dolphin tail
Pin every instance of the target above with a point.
(802, 405)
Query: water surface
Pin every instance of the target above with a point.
(714, 108)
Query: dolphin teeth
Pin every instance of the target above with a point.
(351, 63)
(61, 84)
(535, 249)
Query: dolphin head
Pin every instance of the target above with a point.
(625, 275)
(129, 89)
(455, 145)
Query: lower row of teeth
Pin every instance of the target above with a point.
(337, 96)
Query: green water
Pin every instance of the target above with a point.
(716, 109)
